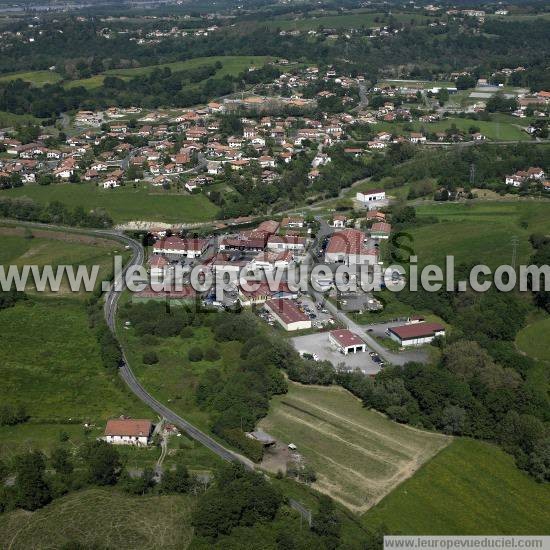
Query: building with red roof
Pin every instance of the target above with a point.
(127, 431)
(175, 246)
(346, 341)
(287, 314)
(348, 247)
(416, 334)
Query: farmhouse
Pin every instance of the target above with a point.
(128, 432)
(346, 341)
(416, 334)
(287, 314)
(186, 248)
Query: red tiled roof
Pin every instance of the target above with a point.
(175, 243)
(128, 427)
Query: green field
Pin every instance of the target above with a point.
(102, 518)
(502, 128)
(533, 339)
(359, 455)
(346, 21)
(478, 232)
(124, 203)
(50, 362)
(469, 488)
(174, 378)
(56, 248)
(36, 78)
(231, 64)
(11, 119)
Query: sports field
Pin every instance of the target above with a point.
(469, 488)
(102, 518)
(231, 64)
(359, 455)
(124, 203)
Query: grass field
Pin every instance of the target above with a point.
(502, 128)
(231, 64)
(479, 231)
(102, 518)
(36, 78)
(10, 119)
(50, 362)
(124, 203)
(57, 248)
(468, 488)
(346, 21)
(359, 455)
(533, 339)
(174, 378)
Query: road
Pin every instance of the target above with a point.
(110, 311)
(395, 358)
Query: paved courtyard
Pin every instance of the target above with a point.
(320, 345)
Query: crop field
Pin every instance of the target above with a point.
(231, 64)
(359, 455)
(346, 21)
(124, 203)
(102, 518)
(54, 248)
(478, 232)
(36, 78)
(469, 488)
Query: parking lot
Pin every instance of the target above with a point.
(320, 345)
(319, 316)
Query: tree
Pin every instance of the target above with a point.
(102, 462)
(140, 484)
(326, 523)
(150, 358)
(195, 354)
(61, 461)
(31, 490)
(176, 481)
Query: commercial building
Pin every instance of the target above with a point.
(416, 334)
(348, 247)
(287, 314)
(185, 248)
(346, 341)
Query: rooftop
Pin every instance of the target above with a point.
(417, 330)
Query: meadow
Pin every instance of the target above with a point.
(469, 488)
(231, 64)
(36, 78)
(124, 203)
(533, 339)
(11, 119)
(102, 518)
(22, 247)
(346, 21)
(478, 232)
(359, 455)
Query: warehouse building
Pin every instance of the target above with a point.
(346, 341)
(416, 334)
(287, 314)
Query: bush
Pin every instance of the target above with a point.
(187, 332)
(150, 358)
(195, 354)
(212, 354)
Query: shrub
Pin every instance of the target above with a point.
(187, 332)
(150, 358)
(212, 354)
(195, 354)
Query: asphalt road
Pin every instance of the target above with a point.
(110, 310)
